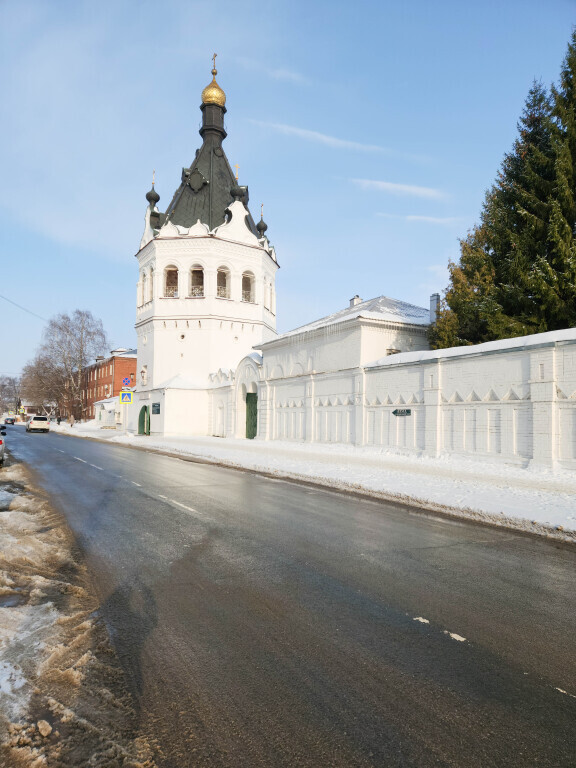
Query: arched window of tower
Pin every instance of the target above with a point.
(171, 282)
(248, 287)
(144, 288)
(151, 288)
(266, 295)
(223, 283)
(196, 289)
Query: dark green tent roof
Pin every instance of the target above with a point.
(204, 191)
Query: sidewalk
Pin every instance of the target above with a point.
(538, 501)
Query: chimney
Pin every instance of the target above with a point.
(434, 307)
(355, 300)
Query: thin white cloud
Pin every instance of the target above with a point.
(448, 220)
(288, 74)
(400, 189)
(319, 138)
(434, 219)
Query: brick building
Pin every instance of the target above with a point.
(105, 378)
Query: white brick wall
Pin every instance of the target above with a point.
(510, 401)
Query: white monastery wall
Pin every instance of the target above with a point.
(513, 400)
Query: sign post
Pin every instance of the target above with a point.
(402, 412)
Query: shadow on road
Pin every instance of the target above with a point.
(131, 614)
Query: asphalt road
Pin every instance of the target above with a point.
(263, 623)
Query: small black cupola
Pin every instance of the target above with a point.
(261, 226)
(153, 197)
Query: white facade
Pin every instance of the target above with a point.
(204, 300)
(512, 400)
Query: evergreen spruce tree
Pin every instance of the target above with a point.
(470, 312)
(557, 275)
(516, 217)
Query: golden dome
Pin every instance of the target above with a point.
(213, 94)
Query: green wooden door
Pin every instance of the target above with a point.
(144, 421)
(251, 415)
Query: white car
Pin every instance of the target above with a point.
(38, 424)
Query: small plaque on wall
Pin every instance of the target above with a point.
(155, 407)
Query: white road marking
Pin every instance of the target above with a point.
(95, 467)
(455, 637)
(162, 497)
(135, 483)
(561, 690)
(58, 449)
(82, 460)
(420, 619)
(178, 504)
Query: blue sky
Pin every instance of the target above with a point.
(369, 130)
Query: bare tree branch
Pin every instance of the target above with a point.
(69, 344)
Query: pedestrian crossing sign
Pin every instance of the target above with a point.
(126, 397)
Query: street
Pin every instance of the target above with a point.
(263, 623)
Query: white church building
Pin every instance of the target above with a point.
(210, 361)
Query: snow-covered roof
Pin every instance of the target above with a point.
(519, 342)
(380, 308)
(108, 403)
(122, 352)
(256, 357)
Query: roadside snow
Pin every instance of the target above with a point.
(540, 500)
(59, 679)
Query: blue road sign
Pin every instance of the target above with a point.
(126, 381)
(125, 397)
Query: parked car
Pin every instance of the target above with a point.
(10, 420)
(2, 444)
(38, 424)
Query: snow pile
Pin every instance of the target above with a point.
(536, 500)
(59, 680)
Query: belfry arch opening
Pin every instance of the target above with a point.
(223, 283)
(196, 282)
(171, 282)
(248, 287)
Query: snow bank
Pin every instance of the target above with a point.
(58, 679)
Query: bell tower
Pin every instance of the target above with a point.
(206, 287)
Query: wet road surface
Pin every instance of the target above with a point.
(263, 623)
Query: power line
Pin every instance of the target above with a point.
(23, 308)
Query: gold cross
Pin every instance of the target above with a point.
(262, 211)
(153, 176)
(214, 61)
(236, 166)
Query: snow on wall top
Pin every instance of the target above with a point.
(502, 345)
(380, 308)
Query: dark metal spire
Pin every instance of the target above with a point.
(205, 189)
